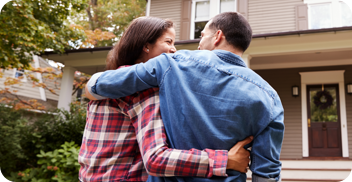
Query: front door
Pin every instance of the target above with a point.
(324, 121)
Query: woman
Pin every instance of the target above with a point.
(122, 134)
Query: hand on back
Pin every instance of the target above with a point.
(238, 156)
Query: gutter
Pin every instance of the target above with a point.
(181, 42)
(299, 32)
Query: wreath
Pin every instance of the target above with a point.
(323, 99)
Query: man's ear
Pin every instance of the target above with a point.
(219, 35)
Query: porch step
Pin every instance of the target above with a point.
(313, 170)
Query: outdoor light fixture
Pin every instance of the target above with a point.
(349, 88)
(295, 92)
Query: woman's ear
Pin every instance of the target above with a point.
(146, 48)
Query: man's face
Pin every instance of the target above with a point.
(207, 38)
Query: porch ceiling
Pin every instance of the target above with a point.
(86, 62)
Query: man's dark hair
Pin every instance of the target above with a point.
(235, 27)
(141, 31)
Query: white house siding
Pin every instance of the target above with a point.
(25, 89)
(50, 83)
(168, 9)
(268, 16)
(264, 16)
(282, 81)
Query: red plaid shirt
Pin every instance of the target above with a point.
(110, 151)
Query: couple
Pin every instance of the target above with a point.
(209, 100)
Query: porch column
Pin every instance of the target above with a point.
(65, 96)
(247, 59)
(147, 11)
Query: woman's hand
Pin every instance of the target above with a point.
(238, 157)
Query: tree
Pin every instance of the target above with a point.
(104, 16)
(30, 26)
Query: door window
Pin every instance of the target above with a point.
(323, 106)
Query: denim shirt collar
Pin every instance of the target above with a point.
(230, 57)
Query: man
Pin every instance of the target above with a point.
(209, 98)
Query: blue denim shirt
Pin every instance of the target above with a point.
(209, 99)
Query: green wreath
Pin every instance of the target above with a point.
(323, 99)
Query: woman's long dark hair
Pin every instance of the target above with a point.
(141, 31)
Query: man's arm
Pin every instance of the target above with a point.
(160, 160)
(128, 80)
(266, 148)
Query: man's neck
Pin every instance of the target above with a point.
(230, 49)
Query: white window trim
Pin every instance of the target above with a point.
(147, 11)
(214, 10)
(39, 76)
(324, 77)
(334, 9)
(24, 79)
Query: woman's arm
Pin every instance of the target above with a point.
(160, 160)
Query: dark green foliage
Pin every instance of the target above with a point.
(54, 130)
(23, 138)
(12, 126)
(58, 165)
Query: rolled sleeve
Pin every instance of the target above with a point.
(217, 162)
(256, 178)
(92, 86)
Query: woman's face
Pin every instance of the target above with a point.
(164, 44)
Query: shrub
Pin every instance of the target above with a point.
(12, 127)
(24, 138)
(59, 165)
(54, 130)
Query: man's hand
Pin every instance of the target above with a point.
(238, 157)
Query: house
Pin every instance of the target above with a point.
(303, 48)
(26, 90)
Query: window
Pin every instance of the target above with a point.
(328, 13)
(203, 10)
(20, 74)
(346, 14)
(227, 5)
(202, 14)
(320, 16)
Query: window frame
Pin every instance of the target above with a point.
(213, 10)
(24, 79)
(335, 10)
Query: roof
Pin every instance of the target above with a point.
(181, 42)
